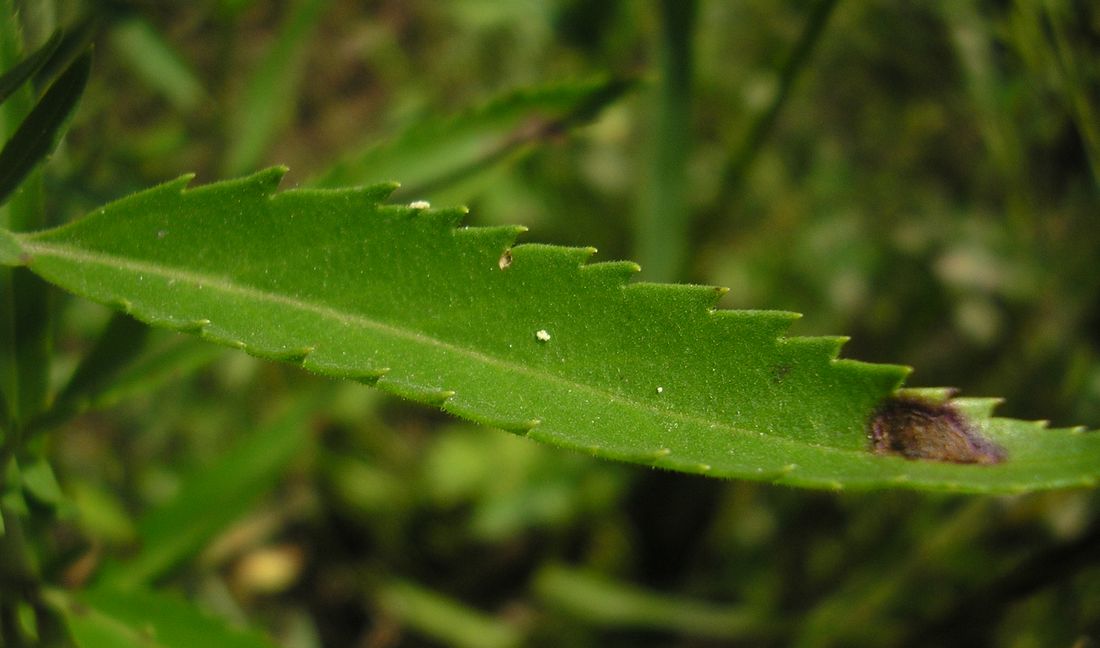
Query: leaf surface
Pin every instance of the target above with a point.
(527, 338)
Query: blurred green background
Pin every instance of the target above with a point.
(924, 177)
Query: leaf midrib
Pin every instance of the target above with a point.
(219, 283)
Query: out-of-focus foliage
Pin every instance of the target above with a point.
(928, 187)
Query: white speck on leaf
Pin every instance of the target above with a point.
(542, 335)
(162, 233)
(420, 204)
(660, 390)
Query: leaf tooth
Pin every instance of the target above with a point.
(213, 335)
(680, 299)
(891, 375)
(661, 453)
(475, 412)
(447, 218)
(413, 391)
(558, 257)
(772, 323)
(371, 194)
(261, 184)
(825, 345)
(975, 407)
(494, 241)
(612, 272)
(933, 395)
(124, 305)
(284, 354)
(187, 326)
(316, 363)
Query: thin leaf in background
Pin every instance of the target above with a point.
(40, 131)
(665, 215)
(268, 101)
(25, 69)
(114, 618)
(213, 496)
(591, 598)
(437, 153)
(761, 126)
(122, 340)
(155, 62)
(444, 619)
(526, 338)
(111, 373)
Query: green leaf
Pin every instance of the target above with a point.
(526, 338)
(266, 106)
(123, 364)
(112, 618)
(437, 152)
(157, 64)
(212, 497)
(25, 69)
(39, 133)
(40, 482)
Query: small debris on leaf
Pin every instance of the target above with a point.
(542, 335)
(420, 204)
(505, 260)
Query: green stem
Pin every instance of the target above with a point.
(24, 320)
(663, 224)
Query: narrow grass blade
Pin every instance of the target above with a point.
(436, 153)
(212, 497)
(443, 619)
(18, 74)
(267, 103)
(113, 618)
(40, 131)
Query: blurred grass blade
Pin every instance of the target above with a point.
(122, 340)
(740, 161)
(124, 364)
(25, 69)
(211, 497)
(664, 210)
(528, 338)
(438, 152)
(604, 602)
(444, 619)
(75, 41)
(269, 99)
(112, 618)
(156, 63)
(40, 131)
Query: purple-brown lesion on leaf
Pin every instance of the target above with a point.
(917, 429)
